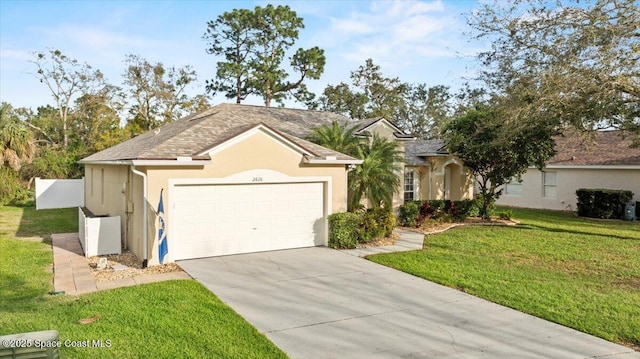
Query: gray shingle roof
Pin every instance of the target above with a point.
(198, 132)
(415, 151)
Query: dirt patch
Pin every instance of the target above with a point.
(380, 242)
(126, 265)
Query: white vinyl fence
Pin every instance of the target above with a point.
(59, 193)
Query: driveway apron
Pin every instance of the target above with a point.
(322, 303)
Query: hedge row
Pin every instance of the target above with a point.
(602, 203)
(347, 229)
(414, 213)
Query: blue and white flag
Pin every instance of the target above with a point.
(163, 248)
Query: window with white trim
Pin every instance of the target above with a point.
(513, 187)
(549, 184)
(409, 187)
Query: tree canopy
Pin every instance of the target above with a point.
(157, 92)
(418, 109)
(567, 62)
(496, 149)
(254, 45)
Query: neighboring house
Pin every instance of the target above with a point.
(431, 172)
(237, 179)
(607, 162)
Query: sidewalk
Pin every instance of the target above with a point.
(72, 273)
(408, 241)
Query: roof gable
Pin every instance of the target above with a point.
(364, 126)
(259, 128)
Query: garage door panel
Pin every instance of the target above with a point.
(211, 220)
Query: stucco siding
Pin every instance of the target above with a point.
(567, 182)
(105, 191)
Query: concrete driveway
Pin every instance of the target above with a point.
(321, 303)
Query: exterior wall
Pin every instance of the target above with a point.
(259, 151)
(430, 180)
(105, 191)
(567, 182)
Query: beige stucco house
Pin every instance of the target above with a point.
(607, 162)
(239, 179)
(431, 172)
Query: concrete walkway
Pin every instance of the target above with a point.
(408, 241)
(72, 274)
(322, 303)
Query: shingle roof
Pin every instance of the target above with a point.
(608, 148)
(415, 151)
(198, 132)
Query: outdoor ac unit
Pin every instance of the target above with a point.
(99, 235)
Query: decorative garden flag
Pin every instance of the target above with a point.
(163, 248)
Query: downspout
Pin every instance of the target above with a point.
(349, 169)
(145, 256)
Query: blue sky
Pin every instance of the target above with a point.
(417, 41)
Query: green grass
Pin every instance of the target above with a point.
(173, 319)
(578, 272)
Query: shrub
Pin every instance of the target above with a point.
(465, 208)
(490, 209)
(368, 228)
(408, 214)
(386, 221)
(506, 214)
(602, 203)
(343, 230)
(11, 190)
(427, 211)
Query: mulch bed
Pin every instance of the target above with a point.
(379, 242)
(433, 228)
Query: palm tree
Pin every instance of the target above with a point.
(16, 141)
(337, 137)
(377, 177)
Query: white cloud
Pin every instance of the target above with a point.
(388, 30)
(9, 54)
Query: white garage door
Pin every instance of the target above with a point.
(215, 220)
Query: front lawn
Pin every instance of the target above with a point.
(581, 273)
(173, 319)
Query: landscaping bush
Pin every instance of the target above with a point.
(490, 209)
(369, 227)
(465, 208)
(408, 214)
(506, 214)
(375, 223)
(343, 230)
(386, 221)
(416, 213)
(602, 203)
(11, 190)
